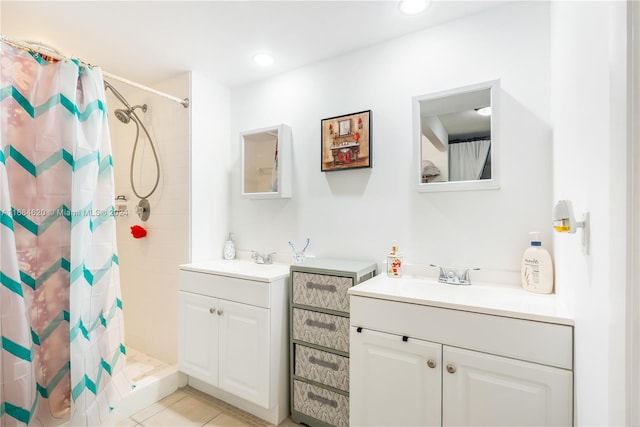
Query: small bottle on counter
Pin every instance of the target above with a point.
(394, 262)
(229, 251)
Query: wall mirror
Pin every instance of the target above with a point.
(456, 145)
(266, 162)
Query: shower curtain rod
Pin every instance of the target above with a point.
(52, 53)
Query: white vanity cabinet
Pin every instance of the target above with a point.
(233, 334)
(226, 344)
(243, 351)
(483, 389)
(198, 343)
(394, 382)
(431, 362)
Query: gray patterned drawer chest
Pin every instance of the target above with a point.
(320, 339)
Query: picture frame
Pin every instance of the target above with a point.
(346, 142)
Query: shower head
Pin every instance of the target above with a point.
(123, 115)
(127, 115)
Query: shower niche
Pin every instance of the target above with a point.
(266, 162)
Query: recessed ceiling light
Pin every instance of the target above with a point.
(263, 59)
(411, 7)
(485, 111)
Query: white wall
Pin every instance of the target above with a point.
(209, 166)
(589, 121)
(148, 266)
(360, 213)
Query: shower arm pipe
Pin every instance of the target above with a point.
(52, 53)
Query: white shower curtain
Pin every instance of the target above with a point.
(467, 159)
(60, 308)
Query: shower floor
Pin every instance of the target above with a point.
(153, 380)
(142, 368)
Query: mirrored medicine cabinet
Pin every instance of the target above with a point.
(455, 139)
(266, 162)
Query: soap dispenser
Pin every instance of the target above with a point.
(537, 267)
(394, 263)
(229, 251)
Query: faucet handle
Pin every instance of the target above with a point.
(259, 259)
(268, 259)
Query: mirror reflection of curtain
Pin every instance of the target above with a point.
(467, 160)
(274, 172)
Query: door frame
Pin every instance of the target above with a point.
(633, 211)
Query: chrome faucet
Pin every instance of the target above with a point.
(262, 258)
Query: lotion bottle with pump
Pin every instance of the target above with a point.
(537, 267)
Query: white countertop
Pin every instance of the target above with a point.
(241, 269)
(494, 299)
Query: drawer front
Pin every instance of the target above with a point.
(320, 366)
(322, 329)
(320, 290)
(532, 341)
(321, 404)
(230, 288)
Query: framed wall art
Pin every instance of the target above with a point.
(346, 142)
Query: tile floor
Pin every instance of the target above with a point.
(189, 407)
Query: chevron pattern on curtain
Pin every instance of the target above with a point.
(61, 326)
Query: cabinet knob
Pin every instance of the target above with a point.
(212, 310)
(451, 369)
(431, 363)
(220, 312)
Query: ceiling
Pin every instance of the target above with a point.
(148, 41)
(457, 112)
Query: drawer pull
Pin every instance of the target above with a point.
(322, 400)
(321, 287)
(451, 368)
(324, 363)
(318, 324)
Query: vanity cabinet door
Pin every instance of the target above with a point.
(198, 343)
(244, 351)
(483, 389)
(393, 381)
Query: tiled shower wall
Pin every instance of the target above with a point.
(148, 266)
